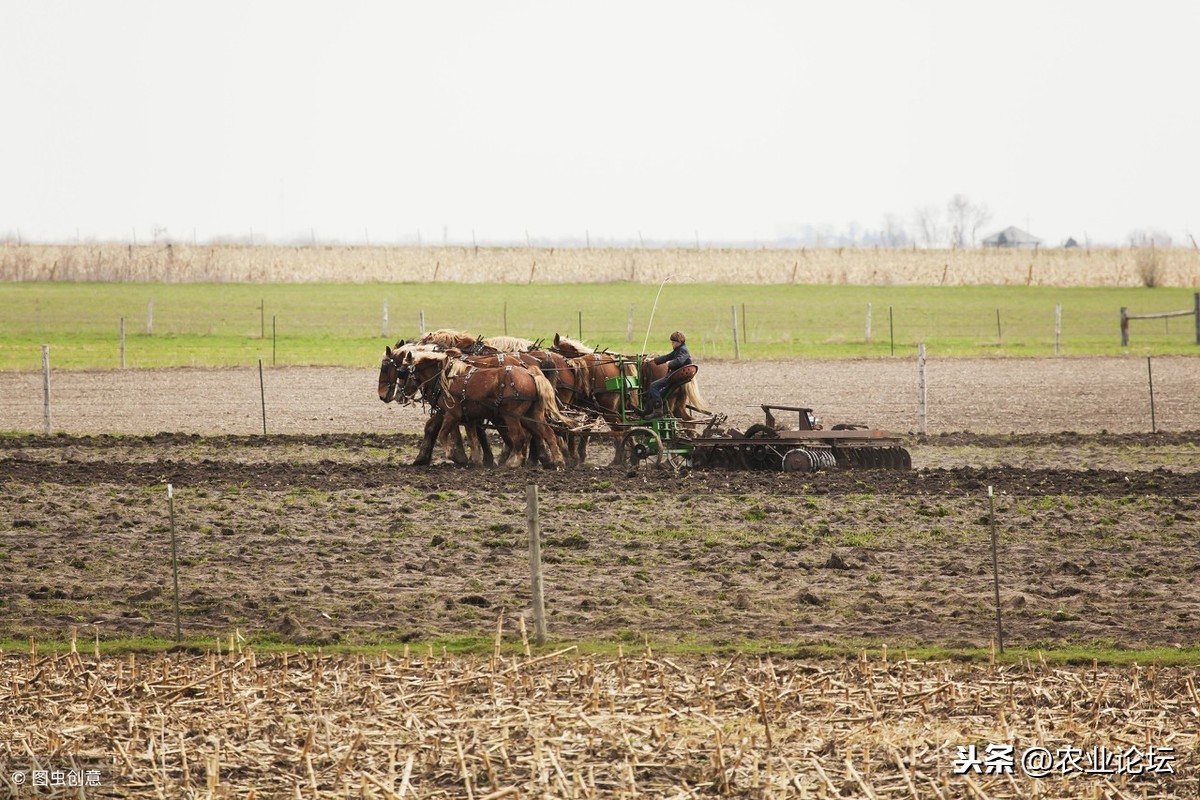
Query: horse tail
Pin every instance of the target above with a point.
(633, 370)
(691, 395)
(583, 377)
(546, 396)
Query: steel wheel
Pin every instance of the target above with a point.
(639, 444)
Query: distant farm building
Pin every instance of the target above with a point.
(1012, 237)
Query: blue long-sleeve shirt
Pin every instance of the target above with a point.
(679, 357)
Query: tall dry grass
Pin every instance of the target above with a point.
(1127, 267)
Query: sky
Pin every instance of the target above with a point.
(504, 122)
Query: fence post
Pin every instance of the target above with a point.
(1150, 378)
(122, 343)
(535, 562)
(995, 569)
(1196, 315)
(892, 329)
(174, 561)
(262, 393)
(629, 325)
(921, 388)
(737, 353)
(1124, 326)
(1057, 327)
(383, 332)
(150, 317)
(46, 385)
(868, 335)
(422, 321)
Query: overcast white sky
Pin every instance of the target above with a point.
(673, 120)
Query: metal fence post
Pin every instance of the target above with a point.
(921, 388)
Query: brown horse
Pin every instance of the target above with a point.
(597, 369)
(394, 377)
(571, 380)
(517, 400)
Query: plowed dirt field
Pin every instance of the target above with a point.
(320, 532)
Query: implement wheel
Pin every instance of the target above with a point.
(639, 444)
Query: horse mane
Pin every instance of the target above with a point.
(565, 343)
(421, 356)
(456, 367)
(508, 344)
(412, 349)
(447, 337)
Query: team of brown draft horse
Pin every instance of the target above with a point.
(543, 401)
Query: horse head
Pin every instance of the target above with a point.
(390, 371)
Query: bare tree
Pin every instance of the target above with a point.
(965, 219)
(928, 230)
(1151, 237)
(893, 234)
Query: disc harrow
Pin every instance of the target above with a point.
(769, 445)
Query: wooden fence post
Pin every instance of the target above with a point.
(535, 562)
(1196, 315)
(995, 569)
(122, 343)
(1124, 326)
(1057, 327)
(868, 334)
(174, 561)
(46, 385)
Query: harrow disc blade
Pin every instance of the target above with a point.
(799, 459)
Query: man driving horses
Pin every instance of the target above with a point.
(677, 358)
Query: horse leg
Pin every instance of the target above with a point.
(577, 444)
(429, 439)
(488, 459)
(451, 438)
(536, 454)
(519, 442)
(473, 436)
(544, 433)
(506, 439)
(609, 412)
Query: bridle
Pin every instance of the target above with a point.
(396, 370)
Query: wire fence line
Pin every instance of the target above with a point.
(979, 395)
